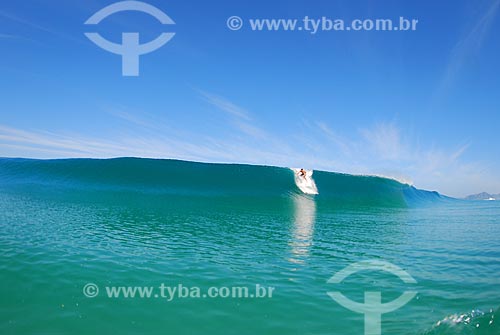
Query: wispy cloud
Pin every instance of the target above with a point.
(341, 143)
(388, 150)
(386, 142)
(467, 46)
(33, 25)
(8, 36)
(381, 149)
(225, 105)
(239, 117)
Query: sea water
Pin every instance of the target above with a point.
(192, 227)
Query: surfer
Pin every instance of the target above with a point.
(302, 173)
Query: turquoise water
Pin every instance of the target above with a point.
(140, 222)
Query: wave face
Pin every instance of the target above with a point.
(167, 177)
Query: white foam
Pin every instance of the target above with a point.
(305, 184)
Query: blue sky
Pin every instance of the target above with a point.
(421, 106)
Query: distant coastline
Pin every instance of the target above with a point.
(483, 196)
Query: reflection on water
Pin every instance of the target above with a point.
(303, 228)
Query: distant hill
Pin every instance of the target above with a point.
(483, 196)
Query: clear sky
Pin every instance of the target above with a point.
(421, 106)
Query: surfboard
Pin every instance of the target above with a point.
(305, 184)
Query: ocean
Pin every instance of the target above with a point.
(145, 246)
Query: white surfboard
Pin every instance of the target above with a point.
(305, 184)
